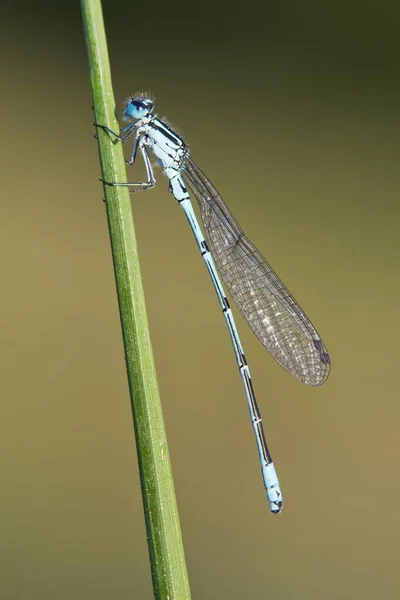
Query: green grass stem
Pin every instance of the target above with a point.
(167, 558)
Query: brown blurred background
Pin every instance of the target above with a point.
(293, 112)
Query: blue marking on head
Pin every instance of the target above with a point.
(138, 108)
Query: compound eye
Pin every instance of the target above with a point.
(136, 109)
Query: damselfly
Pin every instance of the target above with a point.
(264, 301)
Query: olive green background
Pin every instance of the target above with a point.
(292, 110)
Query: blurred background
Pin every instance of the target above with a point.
(292, 110)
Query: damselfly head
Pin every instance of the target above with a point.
(138, 107)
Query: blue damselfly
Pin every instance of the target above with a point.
(264, 301)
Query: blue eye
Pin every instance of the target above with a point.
(137, 109)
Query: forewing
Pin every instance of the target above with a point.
(267, 305)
